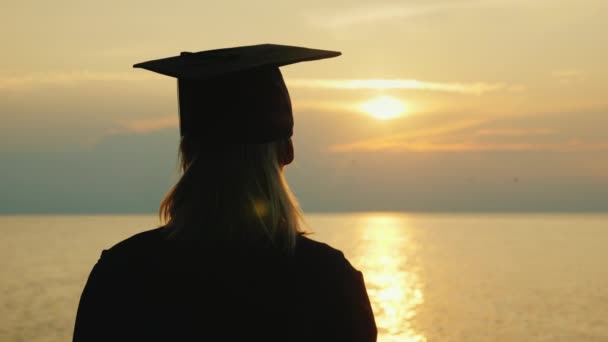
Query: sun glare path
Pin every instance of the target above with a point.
(392, 278)
(384, 108)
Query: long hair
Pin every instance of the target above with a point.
(232, 192)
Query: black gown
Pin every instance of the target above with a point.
(151, 288)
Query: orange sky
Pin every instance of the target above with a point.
(494, 89)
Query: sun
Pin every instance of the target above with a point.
(384, 108)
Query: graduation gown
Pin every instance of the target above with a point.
(152, 288)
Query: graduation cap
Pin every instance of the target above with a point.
(235, 94)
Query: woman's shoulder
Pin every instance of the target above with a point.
(307, 245)
(142, 239)
(335, 294)
(140, 244)
(319, 254)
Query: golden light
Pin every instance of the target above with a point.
(384, 108)
(392, 278)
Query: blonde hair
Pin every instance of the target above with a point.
(232, 192)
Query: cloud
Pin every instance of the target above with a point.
(20, 82)
(135, 127)
(390, 11)
(463, 137)
(515, 132)
(472, 146)
(568, 76)
(477, 88)
(149, 125)
(395, 141)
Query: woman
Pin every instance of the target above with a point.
(232, 262)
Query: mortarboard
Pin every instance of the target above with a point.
(235, 94)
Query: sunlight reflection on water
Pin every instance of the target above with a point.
(392, 280)
(464, 277)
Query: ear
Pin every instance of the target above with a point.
(285, 152)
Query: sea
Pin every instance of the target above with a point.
(430, 277)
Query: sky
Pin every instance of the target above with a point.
(498, 105)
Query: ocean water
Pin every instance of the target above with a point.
(430, 277)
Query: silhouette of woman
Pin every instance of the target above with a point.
(231, 262)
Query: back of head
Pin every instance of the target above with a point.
(233, 193)
(236, 121)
